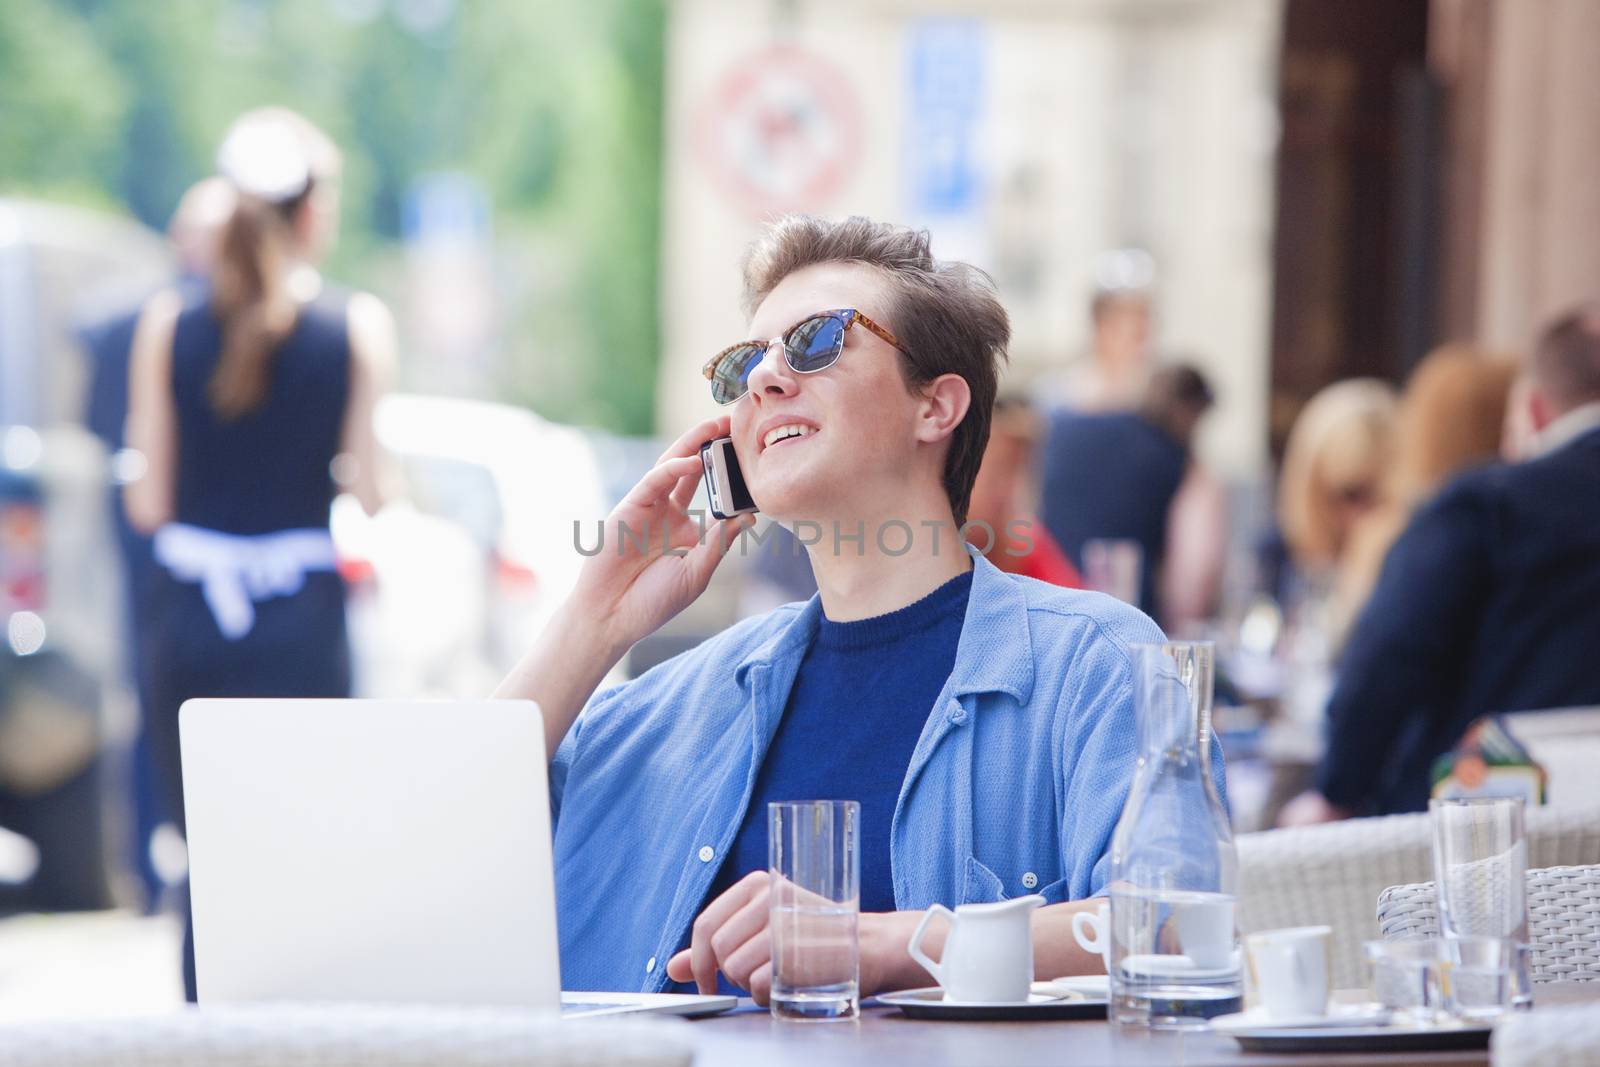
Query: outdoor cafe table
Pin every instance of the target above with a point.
(883, 1037)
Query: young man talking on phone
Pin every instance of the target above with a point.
(984, 722)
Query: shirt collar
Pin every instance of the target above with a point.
(1568, 428)
(994, 654)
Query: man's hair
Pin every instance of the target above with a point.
(1566, 364)
(946, 314)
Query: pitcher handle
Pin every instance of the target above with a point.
(914, 946)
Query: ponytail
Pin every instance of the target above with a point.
(251, 296)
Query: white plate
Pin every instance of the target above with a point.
(1341, 1015)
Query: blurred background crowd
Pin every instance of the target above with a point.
(1277, 272)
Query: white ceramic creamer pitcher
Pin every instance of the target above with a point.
(988, 954)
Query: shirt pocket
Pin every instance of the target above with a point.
(980, 885)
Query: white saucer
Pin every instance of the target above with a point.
(1341, 1015)
(1093, 986)
(1152, 965)
(1044, 1003)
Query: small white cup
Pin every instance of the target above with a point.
(1292, 970)
(1205, 929)
(1092, 929)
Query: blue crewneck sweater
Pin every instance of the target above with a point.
(858, 705)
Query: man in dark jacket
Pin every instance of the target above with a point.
(193, 233)
(1489, 602)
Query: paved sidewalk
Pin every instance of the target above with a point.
(94, 963)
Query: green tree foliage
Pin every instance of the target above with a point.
(62, 105)
(553, 108)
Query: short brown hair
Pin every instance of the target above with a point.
(946, 314)
(1567, 362)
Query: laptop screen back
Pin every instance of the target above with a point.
(370, 850)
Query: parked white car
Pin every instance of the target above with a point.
(452, 584)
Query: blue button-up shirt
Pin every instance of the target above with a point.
(1014, 787)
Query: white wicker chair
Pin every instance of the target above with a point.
(1332, 874)
(1563, 920)
(1568, 1036)
(348, 1036)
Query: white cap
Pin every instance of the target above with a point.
(265, 157)
(1124, 269)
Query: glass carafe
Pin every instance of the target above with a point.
(1174, 954)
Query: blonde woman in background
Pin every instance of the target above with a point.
(1333, 477)
(1333, 473)
(1451, 418)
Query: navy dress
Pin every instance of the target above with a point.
(265, 472)
(1111, 475)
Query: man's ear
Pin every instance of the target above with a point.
(1540, 410)
(944, 404)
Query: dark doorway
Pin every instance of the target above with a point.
(1353, 248)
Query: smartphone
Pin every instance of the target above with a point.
(724, 480)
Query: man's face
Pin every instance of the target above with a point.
(1122, 332)
(860, 447)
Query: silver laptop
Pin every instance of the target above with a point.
(378, 851)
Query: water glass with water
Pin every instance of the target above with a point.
(1481, 975)
(1480, 860)
(814, 858)
(1407, 977)
(1113, 566)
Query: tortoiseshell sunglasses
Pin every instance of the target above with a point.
(809, 346)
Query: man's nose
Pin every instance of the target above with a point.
(772, 375)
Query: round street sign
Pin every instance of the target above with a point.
(781, 131)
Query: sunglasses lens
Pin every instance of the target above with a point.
(815, 343)
(732, 377)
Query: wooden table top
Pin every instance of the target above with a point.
(883, 1037)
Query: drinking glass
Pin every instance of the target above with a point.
(1480, 861)
(1407, 978)
(1481, 976)
(814, 857)
(1112, 566)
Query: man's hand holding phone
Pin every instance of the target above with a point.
(630, 591)
(655, 559)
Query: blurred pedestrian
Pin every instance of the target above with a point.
(252, 406)
(1000, 516)
(1489, 602)
(1451, 417)
(1119, 476)
(193, 233)
(1117, 371)
(1332, 476)
(1190, 586)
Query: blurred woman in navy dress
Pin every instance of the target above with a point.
(252, 404)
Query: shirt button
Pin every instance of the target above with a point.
(650, 966)
(706, 852)
(958, 714)
(1030, 880)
